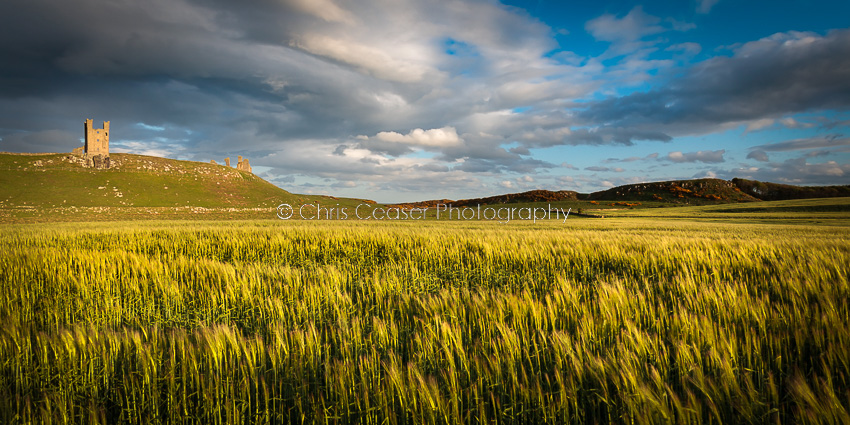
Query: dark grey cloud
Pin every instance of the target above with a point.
(831, 124)
(40, 141)
(509, 163)
(758, 155)
(186, 64)
(520, 150)
(170, 64)
(604, 169)
(632, 158)
(829, 141)
(814, 154)
(584, 136)
(260, 74)
(340, 150)
(783, 74)
(385, 147)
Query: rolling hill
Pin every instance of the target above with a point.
(781, 192)
(61, 180)
(510, 198)
(667, 193)
(688, 192)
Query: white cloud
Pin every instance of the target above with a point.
(326, 10)
(704, 6)
(437, 137)
(790, 122)
(796, 171)
(699, 156)
(708, 174)
(634, 26)
(629, 37)
(149, 127)
(689, 49)
(369, 59)
(759, 124)
(163, 148)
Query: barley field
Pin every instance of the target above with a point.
(631, 321)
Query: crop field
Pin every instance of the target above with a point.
(626, 320)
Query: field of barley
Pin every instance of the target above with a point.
(625, 320)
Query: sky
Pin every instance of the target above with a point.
(407, 100)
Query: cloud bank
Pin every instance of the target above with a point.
(401, 100)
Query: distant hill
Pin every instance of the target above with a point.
(62, 180)
(781, 192)
(530, 196)
(677, 192)
(692, 192)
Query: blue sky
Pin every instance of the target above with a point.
(402, 100)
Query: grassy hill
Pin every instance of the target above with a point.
(655, 194)
(643, 195)
(767, 191)
(61, 180)
(685, 192)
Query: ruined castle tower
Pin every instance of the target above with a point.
(97, 140)
(97, 144)
(243, 165)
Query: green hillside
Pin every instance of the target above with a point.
(62, 180)
(684, 192)
(767, 191)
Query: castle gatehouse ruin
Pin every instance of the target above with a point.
(96, 148)
(95, 152)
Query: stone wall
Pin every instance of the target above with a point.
(242, 164)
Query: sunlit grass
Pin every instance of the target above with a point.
(625, 321)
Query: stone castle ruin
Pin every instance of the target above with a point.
(96, 148)
(95, 152)
(241, 164)
(97, 140)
